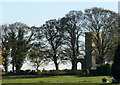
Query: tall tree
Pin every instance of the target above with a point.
(54, 37)
(38, 53)
(103, 25)
(19, 40)
(72, 26)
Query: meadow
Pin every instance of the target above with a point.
(69, 79)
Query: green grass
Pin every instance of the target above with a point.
(53, 79)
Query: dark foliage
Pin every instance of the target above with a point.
(104, 69)
(116, 64)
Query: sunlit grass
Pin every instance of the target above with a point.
(53, 79)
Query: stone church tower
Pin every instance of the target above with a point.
(89, 59)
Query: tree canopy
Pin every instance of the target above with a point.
(61, 39)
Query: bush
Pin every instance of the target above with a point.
(85, 72)
(93, 72)
(104, 69)
(58, 72)
(53, 72)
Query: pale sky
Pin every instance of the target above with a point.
(36, 13)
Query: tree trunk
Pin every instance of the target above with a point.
(55, 62)
(17, 68)
(13, 67)
(56, 65)
(74, 63)
(101, 60)
(37, 67)
(74, 60)
(6, 68)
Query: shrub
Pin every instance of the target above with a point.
(88, 72)
(65, 72)
(104, 69)
(85, 72)
(93, 72)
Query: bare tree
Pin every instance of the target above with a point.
(103, 26)
(53, 34)
(72, 25)
(37, 55)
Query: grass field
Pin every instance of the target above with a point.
(53, 79)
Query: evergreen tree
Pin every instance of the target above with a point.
(20, 37)
(116, 64)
